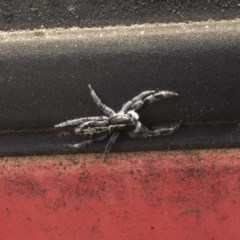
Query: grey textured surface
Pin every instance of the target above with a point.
(29, 14)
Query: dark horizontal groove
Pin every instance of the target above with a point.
(30, 14)
(62, 131)
(187, 137)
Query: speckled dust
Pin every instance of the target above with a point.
(119, 31)
(150, 189)
(90, 177)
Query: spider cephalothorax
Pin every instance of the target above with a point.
(127, 120)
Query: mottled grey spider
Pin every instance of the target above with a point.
(127, 119)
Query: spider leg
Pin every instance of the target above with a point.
(78, 121)
(146, 97)
(85, 143)
(100, 130)
(152, 98)
(142, 131)
(92, 128)
(111, 141)
(93, 131)
(107, 110)
(91, 124)
(129, 103)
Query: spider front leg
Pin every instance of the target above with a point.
(146, 97)
(142, 131)
(127, 106)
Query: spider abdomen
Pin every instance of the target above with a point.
(97, 131)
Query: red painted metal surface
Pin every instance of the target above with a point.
(156, 195)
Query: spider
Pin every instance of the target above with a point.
(125, 120)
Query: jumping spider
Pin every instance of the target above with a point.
(127, 119)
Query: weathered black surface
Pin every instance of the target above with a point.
(43, 81)
(29, 14)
